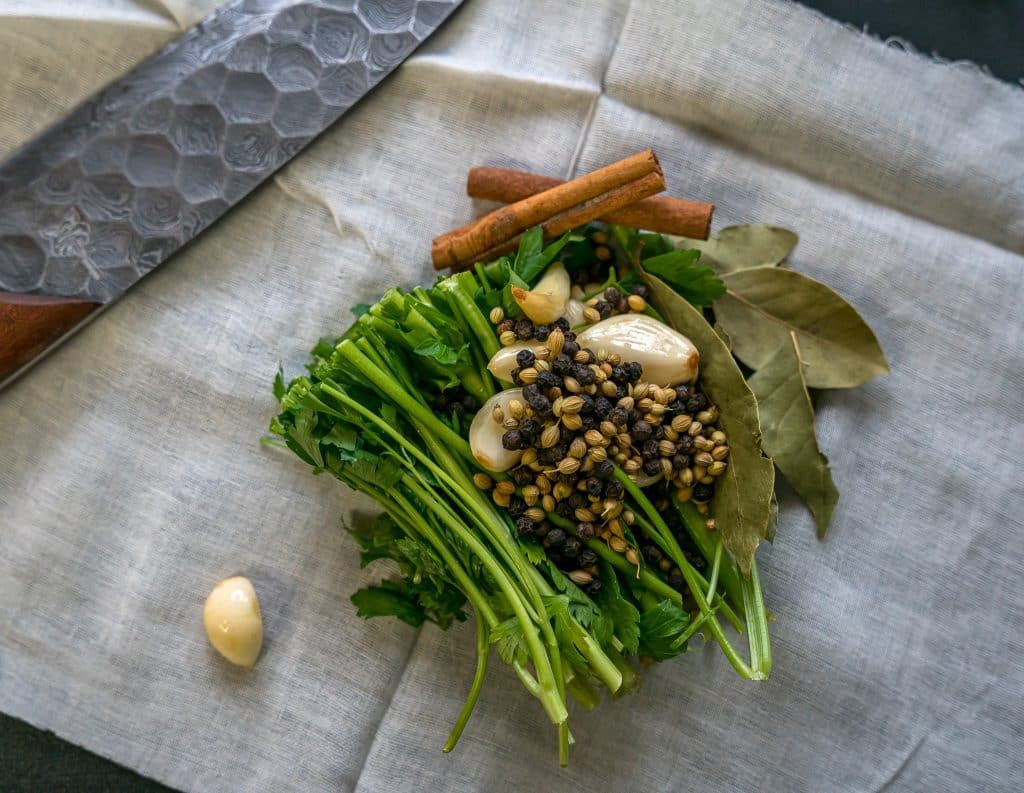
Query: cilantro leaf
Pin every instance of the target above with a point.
(624, 615)
(679, 269)
(509, 640)
(389, 599)
(661, 631)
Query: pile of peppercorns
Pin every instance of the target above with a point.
(581, 412)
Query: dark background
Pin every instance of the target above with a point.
(988, 32)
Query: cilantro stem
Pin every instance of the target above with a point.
(550, 698)
(689, 574)
(757, 623)
(483, 647)
(714, 571)
(705, 540)
(400, 397)
(583, 692)
(671, 548)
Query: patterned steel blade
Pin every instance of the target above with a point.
(142, 167)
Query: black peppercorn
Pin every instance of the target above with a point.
(562, 364)
(531, 391)
(512, 440)
(563, 509)
(652, 553)
(652, 467)
(548, 456)
(593, 588)
(601, 407)
(584, 375)
(541, 529)
(562, 324)
(525, 527)
(541, 332)
(682, 393)
(684, 444)
(641, 431)
(514, 374)
(641, 290)
(649, 449)
(595, 487)
(524, 329)
(696, 403)
(613, 489)
(505, 325)
(677, 582)
(677, 406)
(554, 538)
(525, 358)
(587, 557)
(604, 308)
(618, 416)
(570, 347)
(571, 547)
(578, 499)
(618, 375)
(585, 531)
(541, 405)
(612, 295)
(529, 429)
(523, 476)
(516, 506)
(703, 492)
(679, 462)
(548, 380)
(604, 470)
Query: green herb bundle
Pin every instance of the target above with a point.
(387, 408)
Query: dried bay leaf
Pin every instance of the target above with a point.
(743, 495)
(761, 307)
(742, 247)
(787, 421)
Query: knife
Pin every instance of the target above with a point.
(143, 166)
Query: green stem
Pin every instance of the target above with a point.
(554, 704)
(714, 572)
(461, 288)
(689, 574)
(583, 692)
(703, 538)
(757, 623)
(400, 397)
(616, 560)
(482, 649)
(671, 548)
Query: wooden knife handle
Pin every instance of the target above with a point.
(29, 324)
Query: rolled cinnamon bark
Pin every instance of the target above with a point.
(663, 214)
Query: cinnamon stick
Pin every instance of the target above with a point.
(556, 210)
(660, 213)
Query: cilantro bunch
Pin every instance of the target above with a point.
(374, 411)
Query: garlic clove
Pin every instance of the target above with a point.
(574, 313)
(485, 433)
(546, 301)
(504, 360)
(233, 621)
(667, 356)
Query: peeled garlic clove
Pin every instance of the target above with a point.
(504, 360)
(485, 433)
(233, 622)
(546, 301)
(574, 312)
(667, 356)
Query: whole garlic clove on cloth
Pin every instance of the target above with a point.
(234, 625)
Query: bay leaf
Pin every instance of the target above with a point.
(761, 307)
(743, 494)
(787, 422)
(743, 247)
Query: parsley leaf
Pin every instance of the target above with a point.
(624, 615)
(389, 599)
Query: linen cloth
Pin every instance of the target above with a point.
(131, 479)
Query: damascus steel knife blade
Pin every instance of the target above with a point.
(150, 161)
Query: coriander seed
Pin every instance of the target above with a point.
(497, 315)
(481, 480)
